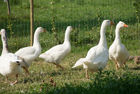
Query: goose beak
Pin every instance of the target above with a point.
(112, 23)
(72, 29)
(125, 25)
(44, 30)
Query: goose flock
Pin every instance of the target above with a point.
(96, 59)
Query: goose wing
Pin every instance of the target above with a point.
(25, 51)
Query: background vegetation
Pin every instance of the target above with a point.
(85, 16)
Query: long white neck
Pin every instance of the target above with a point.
(117, 34)
(36, 40)
(5, 46)
(102, 36)
(67, 35)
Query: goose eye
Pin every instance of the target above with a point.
(18, 62)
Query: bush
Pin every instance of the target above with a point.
(137, 7)
(15, 2)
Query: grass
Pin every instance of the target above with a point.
(85, 16)
(74, 81)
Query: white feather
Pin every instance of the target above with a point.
(97, 56)
(9, 62)
(9, 65)
(79, 62)
(117, 51)
(58, 52)
(31, 52)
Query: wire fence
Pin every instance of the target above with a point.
(85, 16)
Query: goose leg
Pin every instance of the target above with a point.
(117, 67)
(87, 76)
(13, 83)
(26, 70)
(124, 64)
(59, 66)
(6, 81)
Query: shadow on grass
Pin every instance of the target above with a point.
(106, 83)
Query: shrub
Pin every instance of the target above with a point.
(137, 7)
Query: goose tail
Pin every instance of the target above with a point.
(79, 62)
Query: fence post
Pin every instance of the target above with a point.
(31, 21)
(8, 6)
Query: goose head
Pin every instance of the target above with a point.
(67, 33)
(69, 28)
(36, 35)
(15, 63)
(40, 30)
(121, 24)
(107, 23)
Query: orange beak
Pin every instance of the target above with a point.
(44, 30)
(112, 23)
(125, 25)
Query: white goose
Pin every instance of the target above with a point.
(9, 62)
(10, 66)
(97, 56)
(31, 52)
(117, 51)
(58, 52)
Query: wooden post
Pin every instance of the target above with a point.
(8, 6)
(31, 21)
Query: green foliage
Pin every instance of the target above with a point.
(15, 2)
(137, 7)
(53, 9)
(10, 28)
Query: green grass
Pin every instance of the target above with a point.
(74, 81)
(85, 16)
